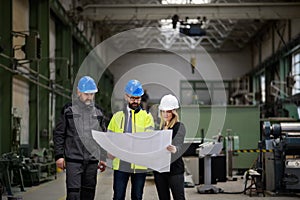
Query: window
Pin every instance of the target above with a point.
(185, 1)
(263, 87)
(204, 92)
(296, 72)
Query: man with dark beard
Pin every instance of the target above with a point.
(132, 119)
(75, 149)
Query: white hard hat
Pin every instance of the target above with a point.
(168, 102)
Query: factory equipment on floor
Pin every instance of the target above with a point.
(26, 168)
(208, 151)
(282, 166)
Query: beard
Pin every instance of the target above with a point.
(87, 102)
(134, 106)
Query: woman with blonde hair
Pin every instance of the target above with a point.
(173, 180)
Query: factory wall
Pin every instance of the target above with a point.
(37, 81)
(52, 68)
(72, 7)
(162, 72)
(20, 92)
(273, 38)
(295, 25)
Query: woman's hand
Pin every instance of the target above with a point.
(172, 148)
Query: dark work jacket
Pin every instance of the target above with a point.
(72, 135)
(177, 164)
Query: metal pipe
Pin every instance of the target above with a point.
(211, 11)
(293, 134)
(33, 81)
(22, 73)
(61, 87)
(38, 109)
(7, 68)
(35, 72)
(290, 127)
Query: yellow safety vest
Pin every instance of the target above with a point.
(141, 122)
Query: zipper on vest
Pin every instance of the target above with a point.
(121, 124)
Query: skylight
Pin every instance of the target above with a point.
(185, 1)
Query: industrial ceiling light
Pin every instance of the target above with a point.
(175, 19)
(193, 64)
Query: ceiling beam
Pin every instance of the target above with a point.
(263, 11)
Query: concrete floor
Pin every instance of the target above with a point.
(55, 190)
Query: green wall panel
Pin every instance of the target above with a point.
(244, 121)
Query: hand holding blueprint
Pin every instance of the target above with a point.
(147, 149)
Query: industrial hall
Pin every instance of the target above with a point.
(149, 99)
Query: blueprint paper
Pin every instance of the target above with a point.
(147, 148)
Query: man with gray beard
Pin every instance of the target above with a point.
(75, 149)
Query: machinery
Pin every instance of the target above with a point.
(282, 166)
(25, 168)
(208, 150)
(1, 190)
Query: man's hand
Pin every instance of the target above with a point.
(172, 148)
(110, 156)
(102, 166)
(60, 163)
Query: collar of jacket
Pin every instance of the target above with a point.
(81, 104)
(135, 111)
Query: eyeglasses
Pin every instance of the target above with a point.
(132, 98)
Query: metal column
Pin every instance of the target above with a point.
(63, 65)
(6, 75)
(39, 97)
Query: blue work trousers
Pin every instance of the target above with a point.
(120, 184)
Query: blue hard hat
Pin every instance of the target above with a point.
(134, 88)
(87, 85)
